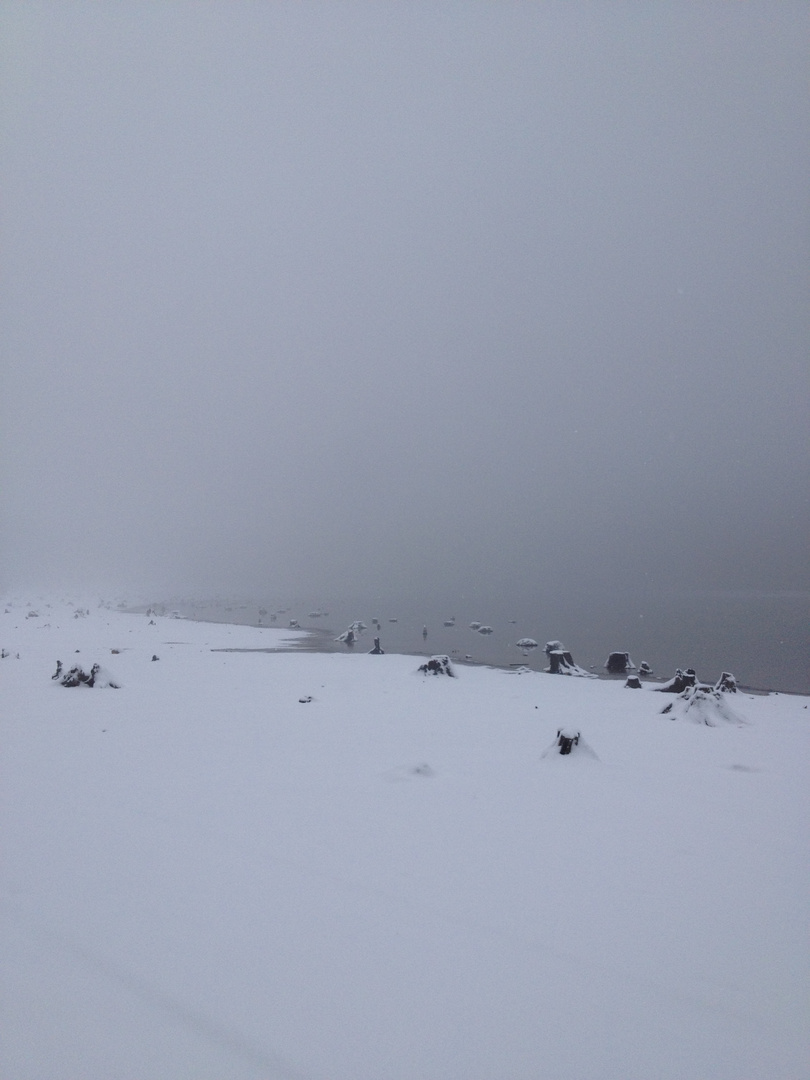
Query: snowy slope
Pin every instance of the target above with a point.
(204, 876)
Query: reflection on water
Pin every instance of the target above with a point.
(764, 639)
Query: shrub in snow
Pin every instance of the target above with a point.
(526, 643)
(633, 682)
(438, 665)
(645, 668)
(702, 705)
(77, 676)
(618, 663)
(485, 630)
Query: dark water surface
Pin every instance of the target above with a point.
(762, 638)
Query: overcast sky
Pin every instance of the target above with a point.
(362, 298)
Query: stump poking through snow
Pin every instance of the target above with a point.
(567, 738)
(681, 681)
(561, 662)
(703, 705)
(568, 742)
(438, 665)
(727, 684)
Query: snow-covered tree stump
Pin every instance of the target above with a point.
(437, 665)
(618, 663)
(567, 738)
(680, 682)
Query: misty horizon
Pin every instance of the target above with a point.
(405, 299)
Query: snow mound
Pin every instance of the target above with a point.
(705, 705)
(96, 678)
(568, 743)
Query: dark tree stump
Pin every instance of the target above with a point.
(679, 683)
(437, 665)
(618, 663)
(559, 660)
(567, 739)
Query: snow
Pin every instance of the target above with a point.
(326, 866)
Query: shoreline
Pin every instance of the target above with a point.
(321, 642)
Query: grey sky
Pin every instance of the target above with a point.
(396, 297)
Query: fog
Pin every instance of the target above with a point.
(405, 298)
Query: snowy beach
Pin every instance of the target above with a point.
(283, 864)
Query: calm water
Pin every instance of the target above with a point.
(763, 639)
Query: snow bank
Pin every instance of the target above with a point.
(203, 877)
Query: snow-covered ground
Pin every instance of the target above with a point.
(205, 877)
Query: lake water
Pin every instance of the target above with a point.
(762, 638)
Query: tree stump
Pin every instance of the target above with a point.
(679, 683)
(566, 739)
(618, 663)
(437, 665)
